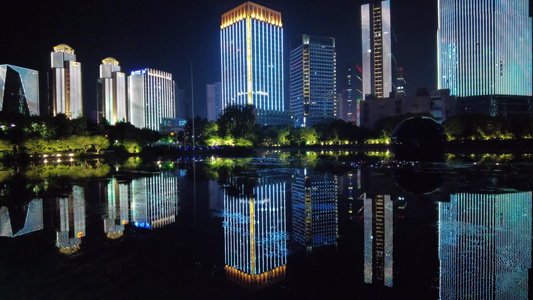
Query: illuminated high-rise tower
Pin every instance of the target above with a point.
(484, 47)
(314, 80)
(19, 90)
(64, 79)
(213, 101)
(151, 97)
(251, 46)
(111, 92)
(377, 55)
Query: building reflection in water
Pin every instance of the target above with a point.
(485, 246)
(315, 209)
(71, 221)
(378, 239)
(255, 238)
(24, 222)
(117, 195)
(154, 201)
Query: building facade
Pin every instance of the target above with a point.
(251, 45)
(213, 101)
(19, 90)
(313, 81)
(151, 97)
(64, 79)
(439, 104)
(484, 47)
(112, 105)
(376, 48)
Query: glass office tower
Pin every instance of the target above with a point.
(64, 79)
(151, 97)
(19, 90)
(314, 81)
(484, 47)
(251, 45)
(377, 54)
(111, 92)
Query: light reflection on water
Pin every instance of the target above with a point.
(280, 227)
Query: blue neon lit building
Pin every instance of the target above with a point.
(484, 47)
(251, 47)
(314, 81)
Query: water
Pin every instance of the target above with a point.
(284, 225)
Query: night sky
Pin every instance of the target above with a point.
(168, 35)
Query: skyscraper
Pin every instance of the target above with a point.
(64, 79)
(314, 80)
(484, 47)
(151, 97)
(111, 92)
(213, 101)
(400, 81)
(19, 90)
(251, 45)
(377, 55)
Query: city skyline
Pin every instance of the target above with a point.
(142, 36)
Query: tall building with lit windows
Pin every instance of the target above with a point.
(151, 97)
(213, 101)
(313, 77)
(111, 92)
(64, 80)
(485, 246)
(376, 48)
(484, 47)
(251, 45)
(19, 90)
(255, 237)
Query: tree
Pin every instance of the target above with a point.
(238, 122)
(99, 143)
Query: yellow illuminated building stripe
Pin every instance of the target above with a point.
(249, 58)
(252, 234)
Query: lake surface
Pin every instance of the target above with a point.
(340, 225)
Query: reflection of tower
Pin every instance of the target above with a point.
(154, 201)
(12, 226)
(117, 208)
(315, 213)
(378, 213)
(485, 246)
(71, 220)
(255, 238)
